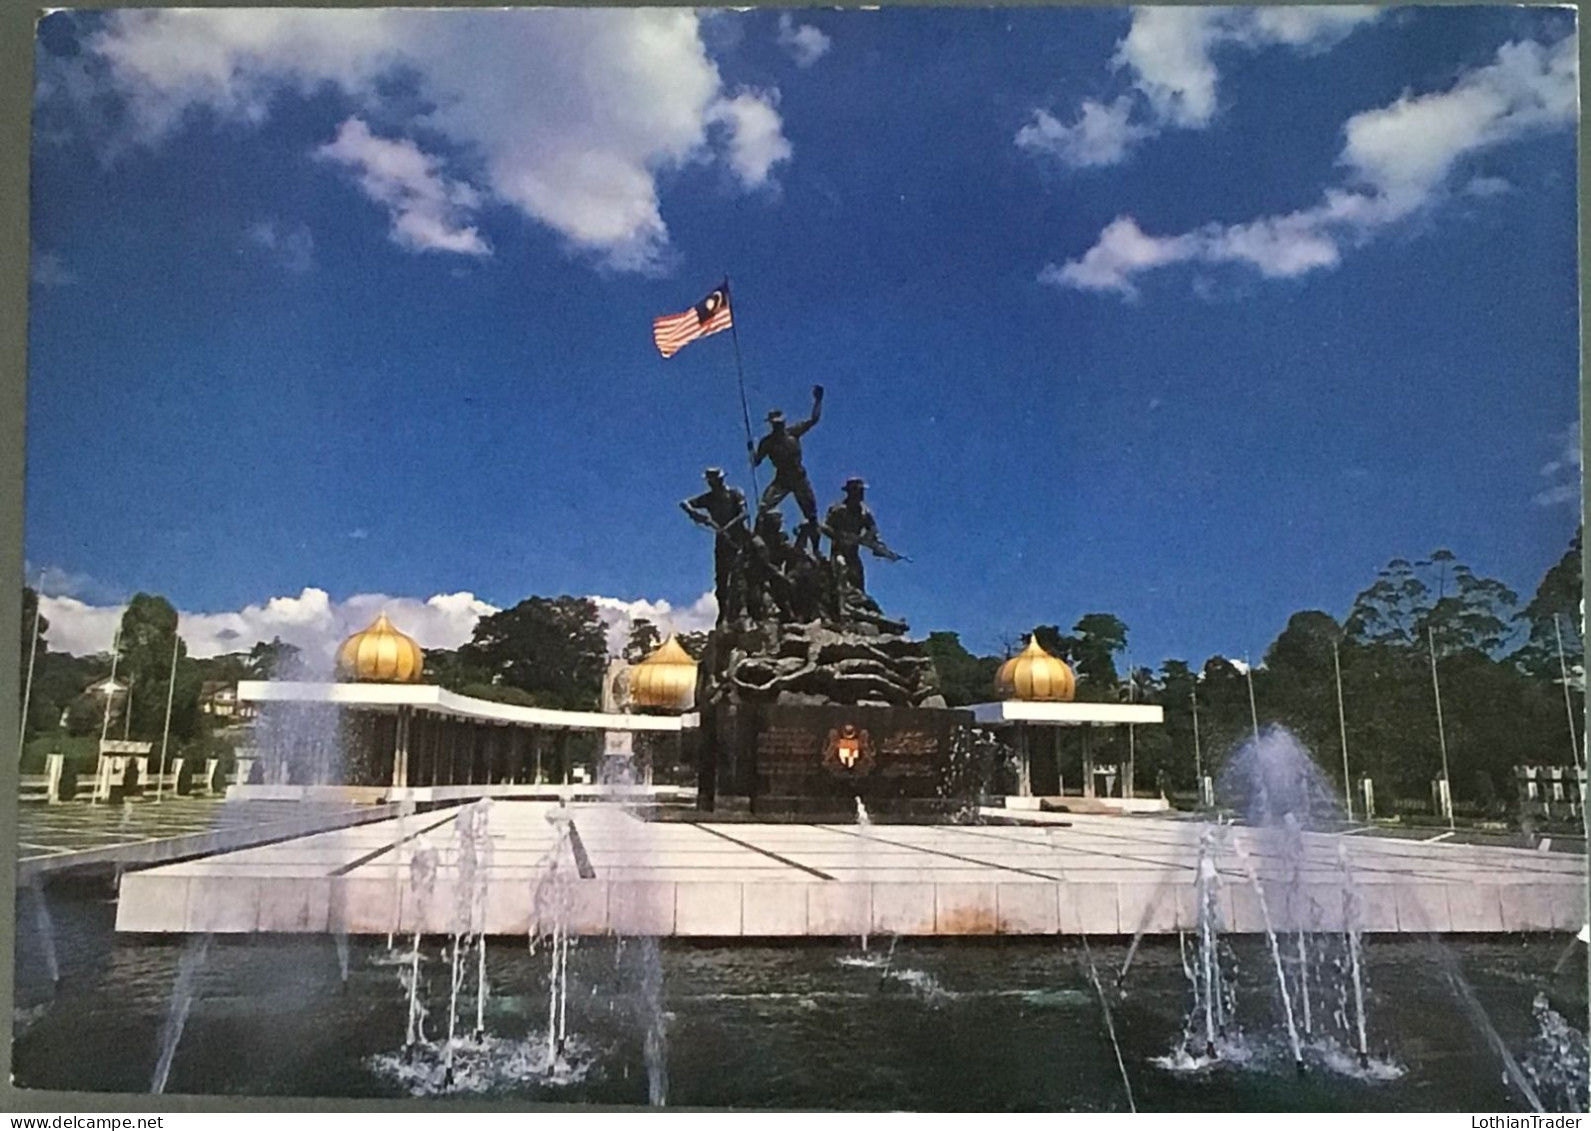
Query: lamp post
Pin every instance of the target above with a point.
(1441, 731)
(1342, 729)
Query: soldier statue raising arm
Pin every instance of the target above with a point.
(782, 447)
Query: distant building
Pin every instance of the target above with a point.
(219, 699)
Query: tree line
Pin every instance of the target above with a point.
(1506, 697)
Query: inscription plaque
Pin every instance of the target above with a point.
(820, 760)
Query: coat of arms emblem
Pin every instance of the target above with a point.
(849, 750)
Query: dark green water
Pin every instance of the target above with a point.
(955, 1025)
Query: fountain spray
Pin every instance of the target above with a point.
(182, 994)
(1276, 958)
(1351, 928)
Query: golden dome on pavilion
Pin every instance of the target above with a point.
(666, 678)
(380, 654)
(1036, 676)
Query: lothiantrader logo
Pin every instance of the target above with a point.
(1525, 1122)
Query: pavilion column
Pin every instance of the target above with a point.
(1024, 758)
(400, 749)
(1088, 762)
(535, 747)
(561, 749)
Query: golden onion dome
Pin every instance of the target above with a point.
(1036, 676)
(666, 678)
(380, 654)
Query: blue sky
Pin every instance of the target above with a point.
(1190, 315)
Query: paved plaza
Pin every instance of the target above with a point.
(54, 838)
(1082, 874)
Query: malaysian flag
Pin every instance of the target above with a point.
(673, 332)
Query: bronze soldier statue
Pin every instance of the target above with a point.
(768, 590)
(850, 526)
(782, 447)
(722, 509)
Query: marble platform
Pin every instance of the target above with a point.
(1091, 874)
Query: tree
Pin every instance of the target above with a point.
(446, 668)
(275, 660)
(1473, 617)
(963, 677)
(148, 636)
(1449, 605)
(1099, 637)
(1389, 611)
(695, 643)
(644, 640)
(1175, 693)
(553, 647)
(1297, 686)
(1554, 614)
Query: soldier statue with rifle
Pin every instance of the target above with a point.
(722, 509)
(850, 526)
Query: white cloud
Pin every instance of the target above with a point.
(1398, 159)
(428, 210)
(805, 43)
(1404, 151)
(291, 246)
(311, 621)
(1565, 470)
(618, 615)
(1168, 54)
(756, 141)
(1487, 186)
(78, 628)
(1102, 135)
(315, 623)
(49, 270)
(568, 116)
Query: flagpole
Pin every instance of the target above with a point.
(1254, 715)
(1568, 704)
(165, 734)
(1198, 759)
(110, 691)
(1342, 730)
(1132, 745)
(745, 411)
(1441, 730)
(33, 651)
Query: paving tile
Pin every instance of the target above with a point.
(1027, 908)
(775, 909)
(1423, 908)
(1475, 907)
(152, 902)
(839, 909)
(965, 909)
(709, 909)
(1096, 908)
(641, 907)
(903, 908)
(223, 905)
